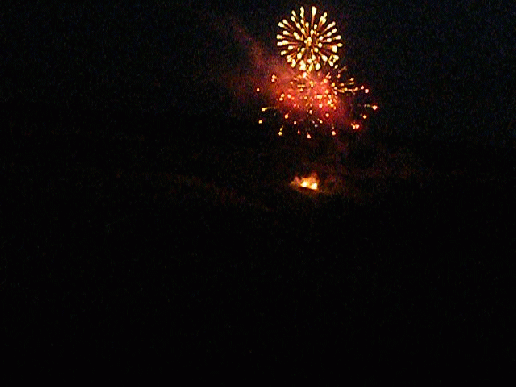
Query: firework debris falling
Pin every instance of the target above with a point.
(316, 101)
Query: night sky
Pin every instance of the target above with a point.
(149, 226)
(437, 68)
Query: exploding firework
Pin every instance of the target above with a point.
(316, 102)
(313, 95)
(308, 42)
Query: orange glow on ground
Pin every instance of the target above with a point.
(311, 182)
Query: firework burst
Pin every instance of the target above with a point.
(317, 102)
(308, 41)
(312, 94)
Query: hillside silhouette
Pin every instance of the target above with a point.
(143, 242)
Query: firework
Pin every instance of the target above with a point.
(308, 41)
(313, 94)
(318, 102)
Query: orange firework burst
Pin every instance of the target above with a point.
(308, 100)
(316, 101)
(309, 42)
(311, 95)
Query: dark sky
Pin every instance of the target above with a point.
(443, 68)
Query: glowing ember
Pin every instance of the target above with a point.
(311, 182)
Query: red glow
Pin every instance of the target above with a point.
(314, 98)
(308, 98)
